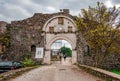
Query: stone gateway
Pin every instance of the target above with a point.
(40, 31)
(59, 27)
(33, 38)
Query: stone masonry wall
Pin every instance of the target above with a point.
(3, 27)
(111, 61)
(28, 32)
(4, 40)
(81, 43)
(22, 38)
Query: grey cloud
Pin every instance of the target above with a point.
(116, 1)
(73, 5)
(20, 9)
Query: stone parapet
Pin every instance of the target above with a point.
(108, 76)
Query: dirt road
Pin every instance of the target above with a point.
(57, 72)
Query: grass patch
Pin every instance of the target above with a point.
(115, 71)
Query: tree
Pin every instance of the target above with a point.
(66, 51)
(100, 27)
(5, 40)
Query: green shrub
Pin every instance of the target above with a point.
(109, 80)
(28, 62)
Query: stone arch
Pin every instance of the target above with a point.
(72, 43)
(56, 35)
(45, 25)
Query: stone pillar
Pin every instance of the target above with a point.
(74, 57)
(47, 57)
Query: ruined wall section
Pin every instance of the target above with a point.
(4, 40)
(28, 32)
(24, 34)
(3, 27)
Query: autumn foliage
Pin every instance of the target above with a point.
(100, 27)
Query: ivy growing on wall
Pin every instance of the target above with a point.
(5, 39)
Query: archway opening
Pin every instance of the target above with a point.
(61, 50)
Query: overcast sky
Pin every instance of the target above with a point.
(20, 9)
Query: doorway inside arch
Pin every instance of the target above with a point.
(61, 52)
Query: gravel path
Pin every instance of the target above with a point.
(57, 72)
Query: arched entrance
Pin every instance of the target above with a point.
(61, 52)
(59, 28)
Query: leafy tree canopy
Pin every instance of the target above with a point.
(66, 51)
(100, 27)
